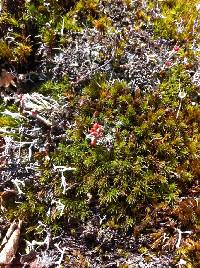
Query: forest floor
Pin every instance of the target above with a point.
(99, 134)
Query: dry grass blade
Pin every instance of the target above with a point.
(10, 244)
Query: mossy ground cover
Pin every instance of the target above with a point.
(131, 147)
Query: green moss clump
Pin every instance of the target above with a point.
(6, 52)
(177, 21)
(151, 156)
(55, 89)
(7, 20)
(7, 121)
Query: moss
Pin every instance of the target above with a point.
(124, 174)
(177, 21)
(70, 23)
(190, 252)
(6, 121)
(102, 24)
(6, 52)
(56, 90)
(22, 52)
(7, 20)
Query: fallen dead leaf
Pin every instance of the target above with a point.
(6, 79)
(5, 195)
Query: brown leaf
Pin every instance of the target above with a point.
(5, 195)
(6, 79)
(10, 244)
(8, 193)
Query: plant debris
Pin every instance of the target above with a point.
(9, 245)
